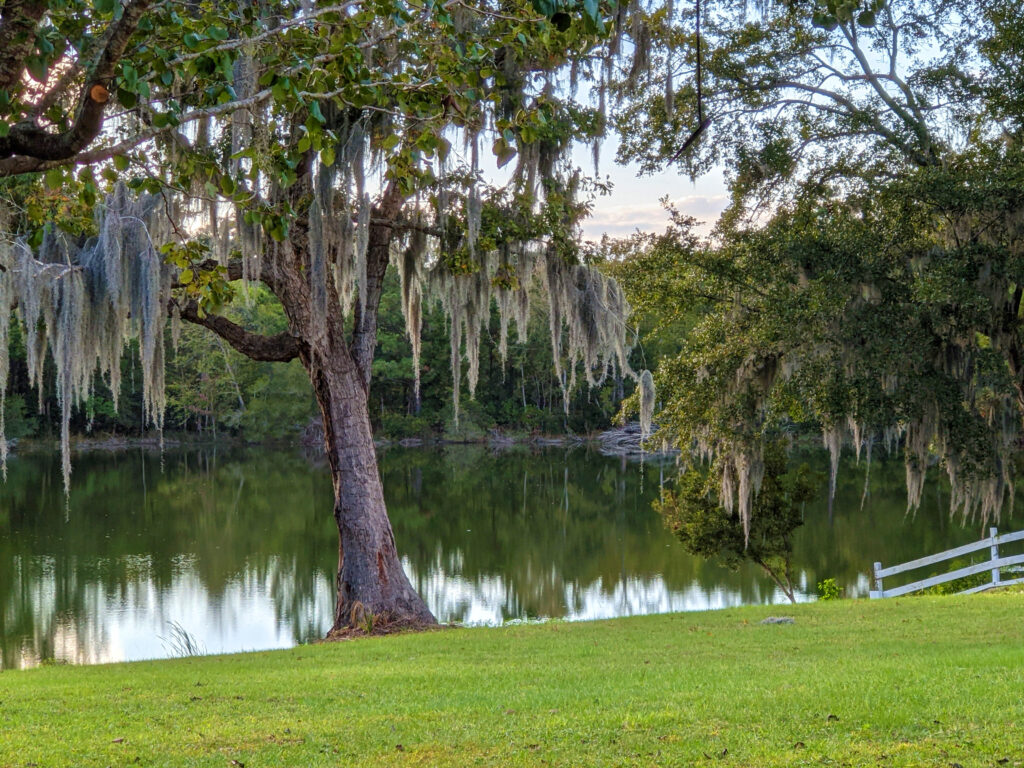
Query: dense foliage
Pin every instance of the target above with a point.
(866, 281)
(278, 133)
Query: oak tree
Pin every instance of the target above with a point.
(309, 147)
(866, 280)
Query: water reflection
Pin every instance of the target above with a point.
(239, 548)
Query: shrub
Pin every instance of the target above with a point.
(828, 589)
(20, 422)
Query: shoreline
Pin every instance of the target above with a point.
(619, 441)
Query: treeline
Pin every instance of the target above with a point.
(213, 391)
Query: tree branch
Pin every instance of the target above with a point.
(12, 166)
(916, 125)
(364, 319)
(18, 22)
(857, 112)
(27, 147)
(276, 349)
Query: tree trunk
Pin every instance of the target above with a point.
(371, 583)
(372, 588)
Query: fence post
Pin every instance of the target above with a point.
(995, 554)
(878, 580)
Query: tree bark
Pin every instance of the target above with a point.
(372, 586)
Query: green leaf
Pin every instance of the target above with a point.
(191, 40)
(217, 33)
(129, 76)
(545, 7)
(503, 152)
(54, 178)
(36, 66)
(121, 162)
(185, 277)
(327, 156)
(314, 110)
(824, 20)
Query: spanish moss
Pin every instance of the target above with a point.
(83, 301)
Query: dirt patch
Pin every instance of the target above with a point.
(380, 628)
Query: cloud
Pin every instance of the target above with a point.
(616, 219)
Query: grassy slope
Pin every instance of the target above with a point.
(922, 681)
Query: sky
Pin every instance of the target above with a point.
(634, 202)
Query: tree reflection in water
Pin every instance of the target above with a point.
(239, 547)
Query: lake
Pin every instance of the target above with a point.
(237, 547)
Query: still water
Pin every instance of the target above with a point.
(238, 547)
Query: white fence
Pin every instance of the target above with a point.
(993, 564)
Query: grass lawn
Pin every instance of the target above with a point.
(935, 681)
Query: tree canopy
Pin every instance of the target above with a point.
(834, 92)
(866, 280)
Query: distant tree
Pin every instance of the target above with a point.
(211, 385)
(710, 527)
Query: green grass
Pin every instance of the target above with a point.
(935, 681)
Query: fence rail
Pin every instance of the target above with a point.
(993, 565)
